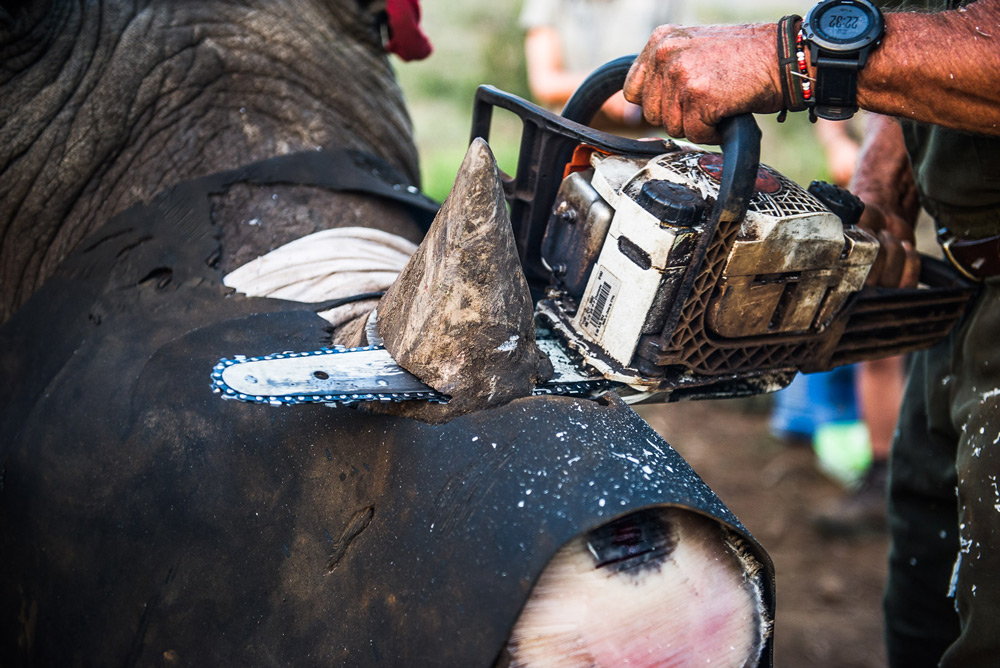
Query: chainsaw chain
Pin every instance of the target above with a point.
(219, 386)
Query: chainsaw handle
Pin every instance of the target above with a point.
(596, 89)
(547, 144)
(740, 136)
(740, 163)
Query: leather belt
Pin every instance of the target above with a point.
(975, 258)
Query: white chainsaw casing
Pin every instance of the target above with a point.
(620, 292)
(791, 268)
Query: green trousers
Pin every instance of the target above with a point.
(942, 600)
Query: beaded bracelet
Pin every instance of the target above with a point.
(803, 74)
(791, 90)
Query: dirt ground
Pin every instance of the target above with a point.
(828, 590)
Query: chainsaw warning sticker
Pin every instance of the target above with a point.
(600, 299)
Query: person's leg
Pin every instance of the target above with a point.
(976, 410)
(920, 618)
(879, 386)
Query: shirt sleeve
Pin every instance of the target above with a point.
(539, 14)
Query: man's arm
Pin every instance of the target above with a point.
(841, 150)
(552, 84)
(941, 68)
(548, 79)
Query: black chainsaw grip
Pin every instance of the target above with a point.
(595, 90)
(740, 135)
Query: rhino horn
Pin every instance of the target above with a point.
(460, 316)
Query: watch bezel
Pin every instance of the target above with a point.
(870, 36)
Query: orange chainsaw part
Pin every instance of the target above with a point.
(581, 159)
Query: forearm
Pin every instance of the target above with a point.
(550, 82)
(883, 176)
(941, 68)
(840, 148)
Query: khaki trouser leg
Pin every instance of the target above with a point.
(950, 421)
(975, 411)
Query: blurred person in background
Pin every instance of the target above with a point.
(877, 390)
(565, 40)
(878, 384)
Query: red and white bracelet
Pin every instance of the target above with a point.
(803, 74)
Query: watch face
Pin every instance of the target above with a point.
(843, 25)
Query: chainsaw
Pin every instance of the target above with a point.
(660, 270)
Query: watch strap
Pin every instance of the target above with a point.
(836, 90)
(838, 56)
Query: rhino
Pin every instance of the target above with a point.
(151, 150)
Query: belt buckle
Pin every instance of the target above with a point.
(946, 238)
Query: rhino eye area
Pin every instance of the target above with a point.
(642, 538)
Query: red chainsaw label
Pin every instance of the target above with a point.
(711, 164)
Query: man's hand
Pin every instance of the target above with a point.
(622, 112)
(841, 150)
(689, 79)
(898, 263)
(884, 182)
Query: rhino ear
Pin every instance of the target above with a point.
(658, 582)
(460, 316)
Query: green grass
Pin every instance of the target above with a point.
(475, 42)
(480, 41)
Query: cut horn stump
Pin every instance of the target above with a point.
(460, 316)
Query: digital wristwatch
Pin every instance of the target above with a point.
(840, 35)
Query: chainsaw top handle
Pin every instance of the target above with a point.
(548, 141)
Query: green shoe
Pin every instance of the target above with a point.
(862, 511)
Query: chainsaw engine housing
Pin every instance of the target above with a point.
(624, 233)
(686, 274)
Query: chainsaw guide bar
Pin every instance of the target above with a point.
(345, 376)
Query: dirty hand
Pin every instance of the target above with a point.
(841, 157)
(687, 79)
(884, 182)
(841, 150)
(898, 263)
